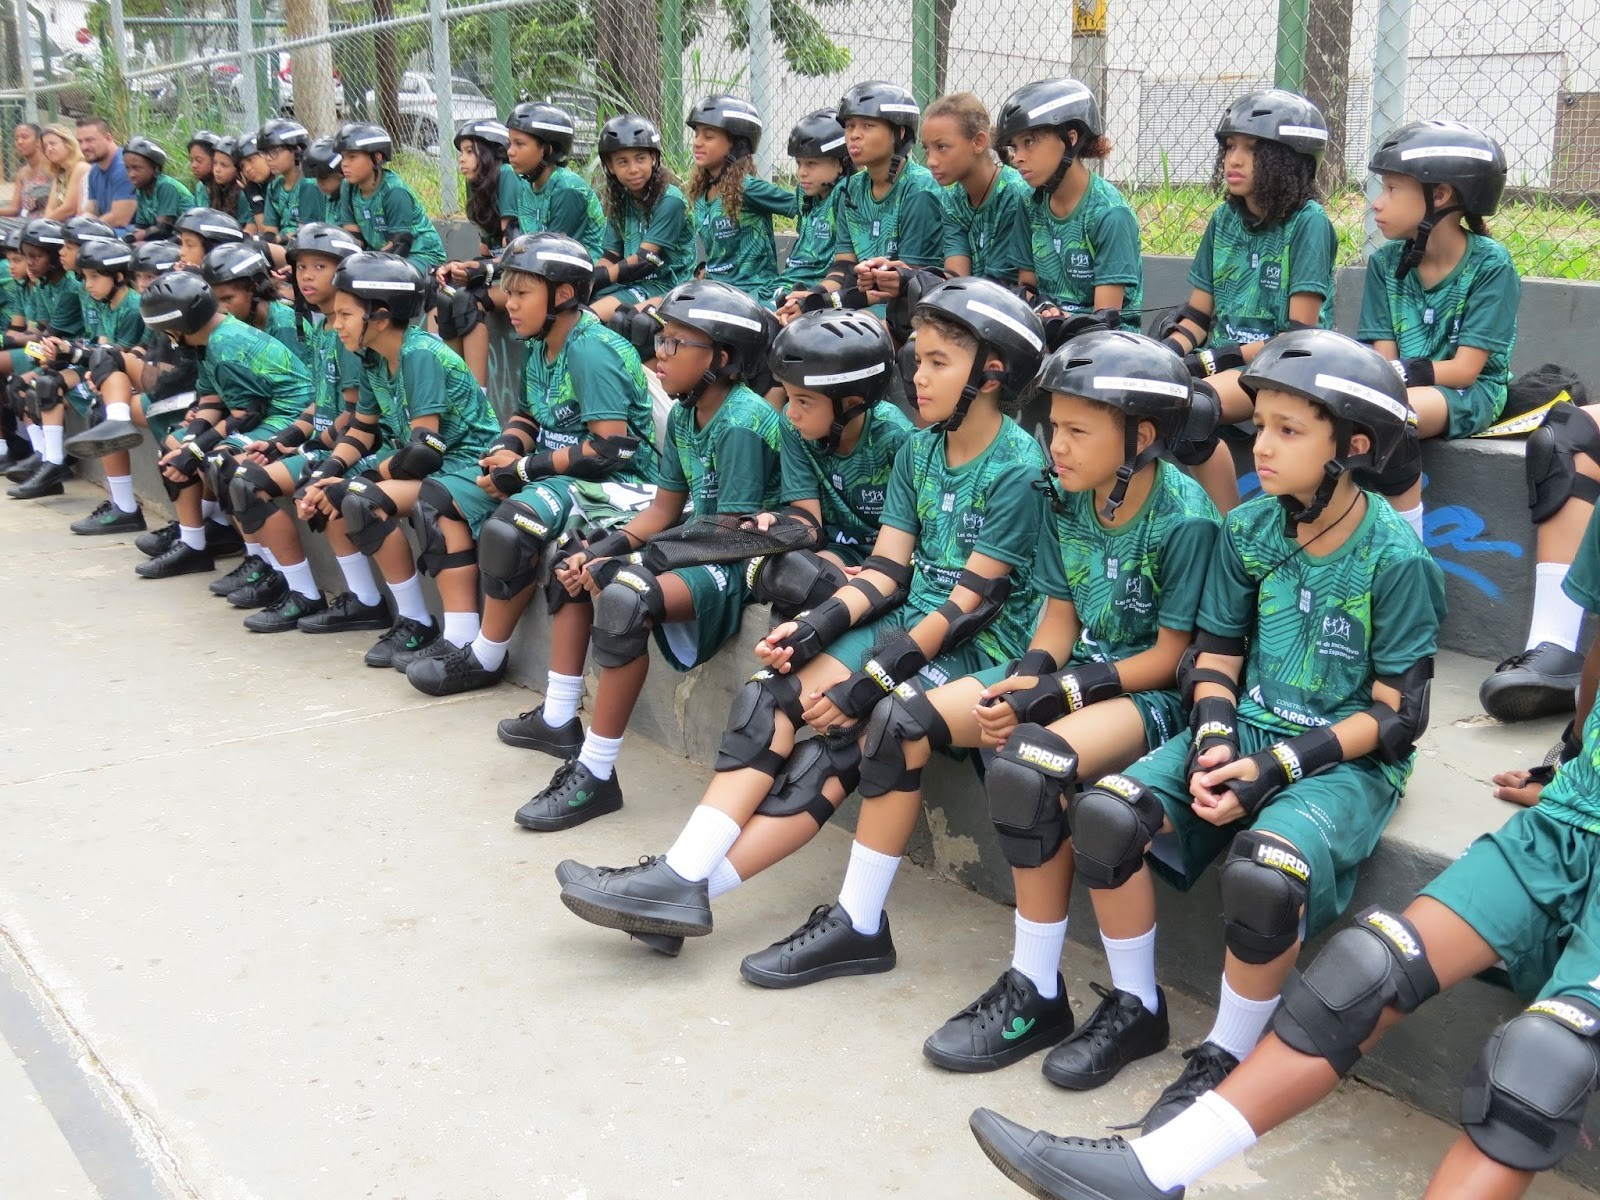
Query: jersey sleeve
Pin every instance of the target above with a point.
(1312, 247)
(799, 468)
(426, 386)
(350, 372)
(569, 211)
(367, 400)
(1376, 323)
(1407, 607)
(401, 212)
(922, 229)
(1200, 276)
(345, 209)
(762, 195)
(1012, 252)
(1116, 248)
(900, 500)
(744, 464)
(172, 199)
(66, 320)
(1490, 320)
(1049, 572)
(956, 242)
(1011, 534)
(1228, 604)
(668, 220)
(611, 242)
(507, 196)
(670, 475)
(1186, 552)
(600, 382)
(270, 214)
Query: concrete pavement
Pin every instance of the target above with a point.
(271, 907)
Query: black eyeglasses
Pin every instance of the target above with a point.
(668, 345)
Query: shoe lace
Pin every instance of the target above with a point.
(103, 510)
(1520, 659)
(1205, 1066)
(458, 661)
(812, 927)
(1003, 995)
(646, 861)
(1083, 1143)
(1108, 1020)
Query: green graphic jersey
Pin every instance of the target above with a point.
(253, 370)
(165, 197)
(565, 204)
(55, 306)
(667, 228)
(282, 325)
(289, 208)
(1574, 795)
(1130, 582)
(596, 376)
(115, 324)
(743, 253)
(1251, 273)
(1096, 243)
(731, 465)
(509, 199)
(1475, 305)
(392, 208)
(1321, 627)
(812, 252)
(333, 370)
(907, 225)
(849, 488)
(10, 298)
(987, 506)
(995, 234)
(432, 382)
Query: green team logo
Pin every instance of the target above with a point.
(1341, 637)
(1019, 1028)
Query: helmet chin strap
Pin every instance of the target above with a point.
(691, 398)
(1051, 487)
(1417, 244)
(552, 310)
(1296, 514)
(1069, 155)
(1134, 460)
(842, 416)
(979, 375)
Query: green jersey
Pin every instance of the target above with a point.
(116, 324)
(55, 306)
(666, 228)
(10, 298)
(1321, 627)
(252, 370)
(1133, 580)
(812, 252)
(743, 253)
(509, 199)
(392, 208)
(949, 510)
(1251, 273)
(1096, 243)
(596, 376)
(164, 198)
(333, 369)
(907, 225)
(995, 234)
(432, 382)
(1475, 305)
(1573, 795)
(289, 208)
(282, 325)
(730, 465)
(566, 204)
(850, 488)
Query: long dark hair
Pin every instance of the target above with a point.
(483, 190)
(224, 197)
(1284, 179)
(728, 181)
(615, 198)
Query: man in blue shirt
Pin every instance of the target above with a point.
(111, 194)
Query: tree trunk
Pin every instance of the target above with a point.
(312, 65)
(943, 21)
(1327, 80)
(386, 53)
(628, 66)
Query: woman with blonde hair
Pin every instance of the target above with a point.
(67, 171)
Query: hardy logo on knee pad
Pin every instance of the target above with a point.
(529, 524)
(1046, 760)
(1398, 932)
(1264, 888)
(1580, 1019)
(509, 546)
(1112, 822)
(1283, 860)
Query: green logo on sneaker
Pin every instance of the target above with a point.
(1019, 1028)
(578, 801)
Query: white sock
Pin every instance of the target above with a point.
(301, 581)
(460, 627)
(208, 509)
(599, 754)
(1199, 1139)
(707, 837)
(1555, 617)
(1240, 1022)
(218, 517)
(357, 572)
(866, 887)
(408, 600)
(1036, 952)
(1413, 518)
(121, 489)
(262, 551)
(36, 439)
(489, 653)
(119, 412)
(723, 879)
(562, 695)
(54, 451)
(1133, 966)
(194, 536)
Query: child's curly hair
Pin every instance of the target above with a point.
(1284, 180)
(615, 198)
(727, 182)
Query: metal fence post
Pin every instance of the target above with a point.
(245, 33)
(445, 128)
(1389, 67)
(761, 65)
(30, 101)
(672, 78)
(925, 51)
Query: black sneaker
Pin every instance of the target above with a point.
(1070, 1168)
(177, 559)
(158, 541)
(1207, 1065)
(572, 797)
(252, 569)
(456, 670)
(1004, 1025)
(105, 438)
(1122, 1030)
(1541, 682)
(827, 946)
(669, 944)
(649, 897)
(403, 634)
(345, 613)
(24, 467)
(406, 655)
(108, 518)
(285, 614)
(48, 480)
(529, 731)
(261, 592)
(223, 541)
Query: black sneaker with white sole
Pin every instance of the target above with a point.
(572, 797)
(827, 946)
(1004, 1025)
(1122, 1030)
(649, 897)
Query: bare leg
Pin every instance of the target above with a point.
(500, 619)
(458, 586)
(475, 352)
(1217, 475)
(620, 686)
(569, 637)
(1467, 1173)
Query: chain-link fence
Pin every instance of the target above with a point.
(1526, 71)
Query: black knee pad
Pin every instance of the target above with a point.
(1553, 476)
(628, 607)
(1333, 1006)
(904, 715)
(457, 315)
(1402, 470)
(814, 761)
(1026, 783)
(251, 494)
(434, 503)
(1264, 886)
(794, 582)
(369, 515)
(1524, 1099)
(752, 722)
(509, 546)
(1112, 822)
(218, 471)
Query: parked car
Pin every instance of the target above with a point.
(419, 108)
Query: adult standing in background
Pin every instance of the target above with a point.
(33, 175)
(111, 196)
(68, 172)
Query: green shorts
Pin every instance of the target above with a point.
(851, 554)
(297, 463)
(563, 504)
(853, 647)
(1161, 712)
(1531, 890)
(1333, 820)
(472, 504)
(719, 594)
(82, 400)
(21, 363)
(630, 294)
(261, 433)
(1474, 409)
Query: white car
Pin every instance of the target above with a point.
(419, 108)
